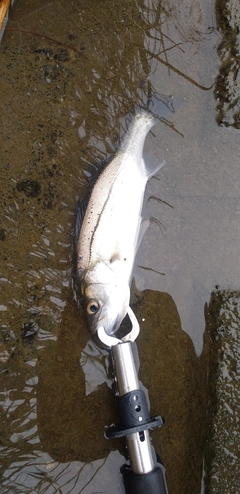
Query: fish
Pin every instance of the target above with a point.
(109, 226)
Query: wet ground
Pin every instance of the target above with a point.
(69, 73)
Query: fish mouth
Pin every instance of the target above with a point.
(111, 325)
(117, 323)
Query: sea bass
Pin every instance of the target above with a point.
(109, 227)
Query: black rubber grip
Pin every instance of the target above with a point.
(153, 482)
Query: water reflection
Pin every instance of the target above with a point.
(94, 362)
(38, 472)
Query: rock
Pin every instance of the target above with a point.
(227, 89)
(223, 455)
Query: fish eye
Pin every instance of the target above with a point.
(92, 307)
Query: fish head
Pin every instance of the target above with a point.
(105, 304)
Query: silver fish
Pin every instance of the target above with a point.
(111, 224)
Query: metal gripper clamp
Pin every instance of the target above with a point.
(145, 474)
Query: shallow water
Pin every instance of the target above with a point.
(62, 107)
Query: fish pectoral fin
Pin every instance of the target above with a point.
(143, 228)
(114, 258)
